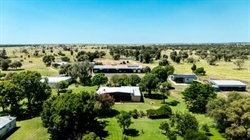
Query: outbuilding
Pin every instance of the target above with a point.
(53, 80)
(183, 78)
(117, 69)
(228, 85)
(122, 94)
(7, 124)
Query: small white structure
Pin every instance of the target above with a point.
(59, 63)
(53, 80)
(124, 93)
(183, 78)
(7, 123)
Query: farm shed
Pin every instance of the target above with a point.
(228, 85)
(53, 80)
(124, 93)
(117, 69)
(7, 123)
(183, 78)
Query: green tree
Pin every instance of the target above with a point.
(147, 69)
(115, 80)
(165, 127)
(35, 91)
(160, 72)
(169, 69)
(163, 88)
(193, 68)
(149, 82)
(239, 63)
(62, 85)
(15, 64)
(99, 79)
(220, 110)
(83, 71)
(65, 59)
(134, 79)
(163, 62)
(124, 120)
(12, 95)
(200, 71)
(70, 116)
(65, 69)
(5, 63)
(197, 96)
(184, 122)
(48, 59)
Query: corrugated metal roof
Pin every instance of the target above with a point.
(4, 120)
(135, 91)
(227, 83)
(118, 67)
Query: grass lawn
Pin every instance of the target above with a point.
(30, 130)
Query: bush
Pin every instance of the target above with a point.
(163, 112)
(142, 114)
(2, 74)
(134, 114)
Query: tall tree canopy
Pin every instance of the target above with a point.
(83, 71)
(149, 82)
(35, 91)
(71, 116)
(231, 115)
(197, 95)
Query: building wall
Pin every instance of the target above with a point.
(188, 80)
(7, 128)
(136, 98)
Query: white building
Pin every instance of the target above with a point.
(7, 123)
(124, 93)
(59, 63)
(53, 80)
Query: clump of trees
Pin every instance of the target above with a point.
(231, 115)
(183, 124)
(197, 96)
(99, 79)
(72, 116)
(80, 70)
(20, 86)
(125, 80)
(48, 59)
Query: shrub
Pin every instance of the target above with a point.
(163, 112)
(2, 74)
(142, 114)
(134, 114)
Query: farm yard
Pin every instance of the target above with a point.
(143, 128)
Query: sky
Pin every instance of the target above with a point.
(124, 21)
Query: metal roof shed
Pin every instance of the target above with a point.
(229, 85)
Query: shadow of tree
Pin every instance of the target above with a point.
(173, 103)
(99, 129)
(156, 96)
(10, 133)
(110, 114)
(131, 132)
